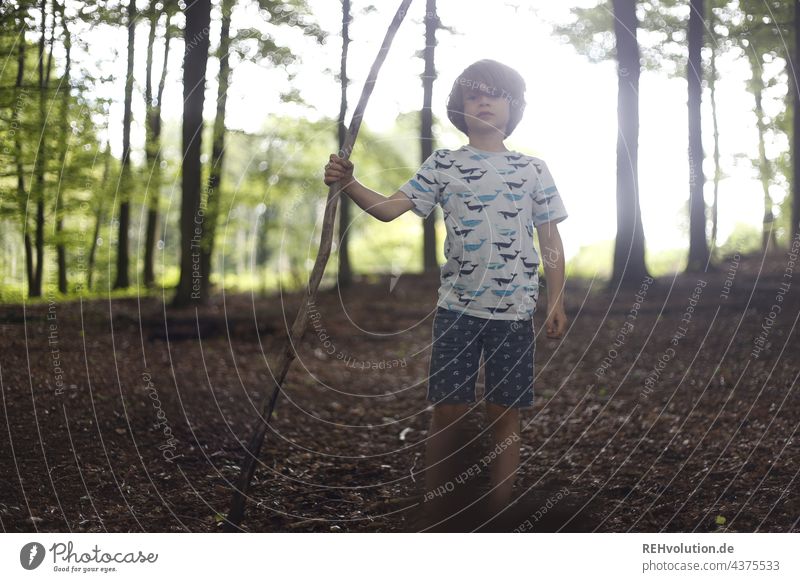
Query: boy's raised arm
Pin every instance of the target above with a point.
(378, 205)
(383, 208)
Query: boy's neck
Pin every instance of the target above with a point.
(488, 143)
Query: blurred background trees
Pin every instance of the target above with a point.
(105, 190)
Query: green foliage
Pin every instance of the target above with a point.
(666, 262)
(64, 140)
(743, 239)
(592, 261)
(595, 261)
(272, 199)
(661, 34)
(590, 31)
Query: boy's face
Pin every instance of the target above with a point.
(485, 111)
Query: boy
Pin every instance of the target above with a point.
(491, 198)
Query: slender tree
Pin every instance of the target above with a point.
(22, 194)
(198, 19)
(40, 164)
(794, 84)
(712, 87)
(99, 214)
(123, 257)
(153, 136)
(764, 165)
(629, 263)
(713, 47)
(698, 247)
(217, 152)
(61, 249)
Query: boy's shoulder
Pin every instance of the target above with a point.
(537, 164)
(531, 158)
(442, 152)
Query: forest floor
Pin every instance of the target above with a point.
(123, 416)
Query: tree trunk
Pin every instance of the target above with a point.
(345, 273)
(198, 19)
(61, 251)
(38, 190)
(217, 154)
(426, 130)
(123, 258)
(698, 247)
(764, 165)
(793, 83)
(153, 145)
(39, 241)
(712, 85)
(629, 264)
(149, 151)
(26, 239)
(22, 195)
(98, 216)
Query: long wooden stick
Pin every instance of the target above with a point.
(287, 354)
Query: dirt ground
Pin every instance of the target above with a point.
(121, 416)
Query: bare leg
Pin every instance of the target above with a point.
(444, 438)
(505, 462)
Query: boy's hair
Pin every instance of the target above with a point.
(491, 77)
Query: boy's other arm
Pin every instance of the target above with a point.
(378, 205)
(553, 256)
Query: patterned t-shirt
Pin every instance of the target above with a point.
(491, 203)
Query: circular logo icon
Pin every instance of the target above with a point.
(31, 555)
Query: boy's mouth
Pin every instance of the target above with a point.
(485, 113)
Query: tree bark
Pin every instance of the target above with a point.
(793, 83)
(764, 165)
(123, 257)
(629, 263)
(217, 154)
(22, 195)
(712, 86)
(149, 151)
(153, 144)
(61, 251)
(98, 216)
(698, 247)
(198, 19)
(38, 190)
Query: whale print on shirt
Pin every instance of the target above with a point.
(491, 203)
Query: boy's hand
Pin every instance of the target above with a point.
(338, 169)
(556, 323)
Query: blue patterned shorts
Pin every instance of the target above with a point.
(459, 340)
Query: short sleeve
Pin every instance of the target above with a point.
(423, 188)
(547, 203)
